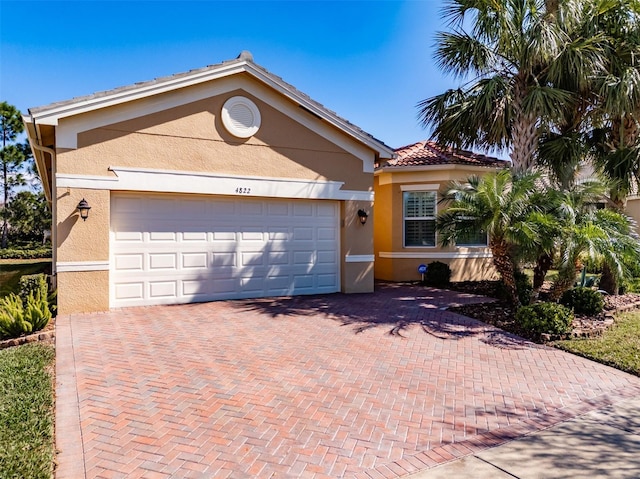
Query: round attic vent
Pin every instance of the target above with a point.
(241, 117)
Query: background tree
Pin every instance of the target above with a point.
(29, 217)
(13, 157)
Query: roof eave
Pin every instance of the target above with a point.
(439, 167)
(51, 114)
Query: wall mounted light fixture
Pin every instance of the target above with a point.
(83, 207)
(362, 215)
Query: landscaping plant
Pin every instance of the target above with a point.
(438, 274)
(545, 318)
(17, 318)
(583, 301)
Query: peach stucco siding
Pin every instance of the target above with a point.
(396, 262)
(190, 138)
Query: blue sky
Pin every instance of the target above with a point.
(369, 61)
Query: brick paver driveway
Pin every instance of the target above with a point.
(367, 386)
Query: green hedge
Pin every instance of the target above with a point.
(37, 253)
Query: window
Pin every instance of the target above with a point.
(419, 218)
(478, 238)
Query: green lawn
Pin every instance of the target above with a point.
(26, 412)
(618, 347)
(12, 269)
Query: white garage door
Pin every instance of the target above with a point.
(177, 249)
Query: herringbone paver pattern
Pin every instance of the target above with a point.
(372, 386)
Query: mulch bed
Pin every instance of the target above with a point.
(502, 314)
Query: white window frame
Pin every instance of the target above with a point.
(419, 189)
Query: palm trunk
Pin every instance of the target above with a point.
(608, 281)
(566, 279)
(503, 263)
(524, 131)
(542, 267)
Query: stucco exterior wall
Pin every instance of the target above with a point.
(633, 209)
(79, 240)
(83, 291)
(357, 248)
(462, 269)
(394, 261)
(191, 138)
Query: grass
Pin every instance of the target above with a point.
(11, 270)
(26, 412)
(618, 347)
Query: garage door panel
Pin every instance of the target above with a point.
(278, 210)
(200, 236)
(162, 261)
(163, 289)
(249, 234)
(129, 291)
(195, 288)
(224, 236)
(303, 234)
(217, 248)
(223, 260)
(303, 209)
(129, 262)
(191, 261)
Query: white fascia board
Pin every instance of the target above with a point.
(67, 132)
(54, 114)
(435, 255)
(170, 181)
(449, 166)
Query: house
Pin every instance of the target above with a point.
(222, 182)
(408, 191)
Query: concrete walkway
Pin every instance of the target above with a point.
(377, 386)
(601, 444)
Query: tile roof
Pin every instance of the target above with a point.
(425, 153)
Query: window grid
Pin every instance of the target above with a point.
(419, 219)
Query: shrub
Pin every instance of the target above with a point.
(37, 282)
(17, 318)
(30, 283)
(14, 253)
(524, 288)
(542, 318)
(631, 285)
(12, 321)
(438, 274)
(583, 301)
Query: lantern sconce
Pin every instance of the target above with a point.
(83, 207)
(362, 215)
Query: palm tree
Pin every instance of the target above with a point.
(501, 204)
(601, 235)
(515, 54)
(617, 139)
